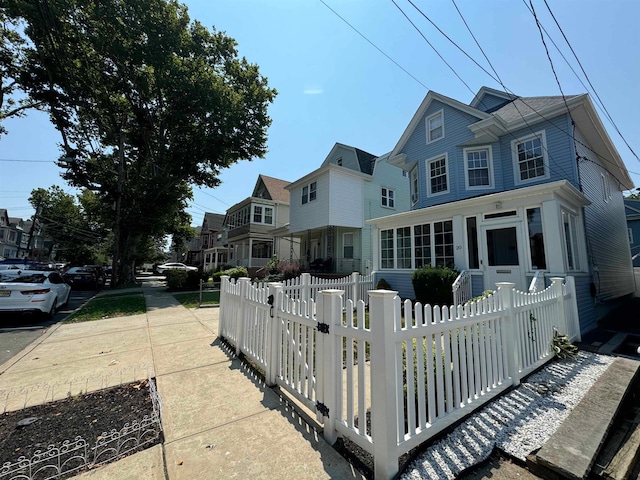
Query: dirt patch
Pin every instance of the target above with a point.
(25, 432)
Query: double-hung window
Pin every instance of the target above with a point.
(438, 178)
(388, 197)
(530, 160)
(309, 193)
(435, 126)
(478, 168)
(414, 186)
(571, 247)
(386, 249)
(347, 245)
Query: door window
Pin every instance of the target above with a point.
(502, 247)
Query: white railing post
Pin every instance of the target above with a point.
(244, 287)
(305, 289)
(570, 285)
(384, 411)
(355, 287)
(556, 284)
(273, 336)
(329, 316)
(511, 342)
(222, 313)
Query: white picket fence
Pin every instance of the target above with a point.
(391, 378)
(306, 287)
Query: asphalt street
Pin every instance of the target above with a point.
(17, 331)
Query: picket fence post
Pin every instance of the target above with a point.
(244, 287)
(511, 343)
(384, 411)
(222, 313)
(273, 336)
(305, 289)
(355, 287)
(556, 284)
(570, 284)
(329, 315)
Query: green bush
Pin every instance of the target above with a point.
(184, 280)
(234, 272)
(383, 285)
(433, 285)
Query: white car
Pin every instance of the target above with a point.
(32, 291)
(175, 266)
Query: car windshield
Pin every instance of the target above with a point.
(28, 278)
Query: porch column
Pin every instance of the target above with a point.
(375, 249)
(459, 261)
(552, 230)
(249, 253)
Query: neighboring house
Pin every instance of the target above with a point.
(213, 240)
(505, 187)
(194, 249)
(249, 224)
(6, 250)
(330, 205)
(632, 210)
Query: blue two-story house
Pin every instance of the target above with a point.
(506, 187)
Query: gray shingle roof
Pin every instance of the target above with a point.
(523, 106)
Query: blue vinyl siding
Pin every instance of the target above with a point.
(399, 281)
(456, 131)
(489, 102)
(586, 310)
(559, 152)
(477, 285)
(634, 225)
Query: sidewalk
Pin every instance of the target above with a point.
(220, 420)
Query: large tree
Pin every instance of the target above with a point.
(147, 102)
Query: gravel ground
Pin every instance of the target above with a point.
(517, 423)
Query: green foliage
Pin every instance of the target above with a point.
(383, 285)
(433, 285)
(183, 279)
(234, 272)
(109, 306)
(562, 347)
(148, 103)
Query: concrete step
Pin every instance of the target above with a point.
(572, 450)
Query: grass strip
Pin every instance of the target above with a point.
(109, 307)
(192, 299)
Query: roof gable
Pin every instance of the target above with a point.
(363, 160)
(213, 222)
(271, 188)
(488, 99)
(422, 109)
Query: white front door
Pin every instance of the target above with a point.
(501, 256)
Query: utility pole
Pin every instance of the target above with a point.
(115, 273)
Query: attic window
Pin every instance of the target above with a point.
(339, 161)
(435, 127)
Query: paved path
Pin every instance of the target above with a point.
(220, 420)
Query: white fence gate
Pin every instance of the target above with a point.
(393, 377)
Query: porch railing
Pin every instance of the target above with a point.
(461, 288)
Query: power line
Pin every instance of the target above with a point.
(589, 81)
(373, 44)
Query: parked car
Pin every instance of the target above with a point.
(100, 273)
(82, 278)
(174, 266)
(32, 291)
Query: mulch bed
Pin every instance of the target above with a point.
(88, 416)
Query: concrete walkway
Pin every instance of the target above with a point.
(220, 420)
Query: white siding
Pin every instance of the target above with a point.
(313, 214)
(607, 238)
(345, 197)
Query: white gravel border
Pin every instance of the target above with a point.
(517, 423)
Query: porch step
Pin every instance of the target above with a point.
(572, 450)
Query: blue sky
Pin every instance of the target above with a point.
(334, 86)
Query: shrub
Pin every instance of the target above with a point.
(433, 285)
(184, 280)
(383, 285)
(289, 270)
(234, 272)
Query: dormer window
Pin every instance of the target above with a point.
(435, 127)
(339, 161)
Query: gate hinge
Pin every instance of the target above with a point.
(323, 409)
(323, 327)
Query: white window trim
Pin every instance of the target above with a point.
(353, 245)
(446, 166)
(606, 188)
(415, 196)
(489, 167)
(263, 214)
(516, 163)
(579, 235)
(393, 197)
(433, 115)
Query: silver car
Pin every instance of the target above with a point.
(174, 266)
(32, 291)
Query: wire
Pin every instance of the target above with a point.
(373, 44)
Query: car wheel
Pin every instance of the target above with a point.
(52, 312)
